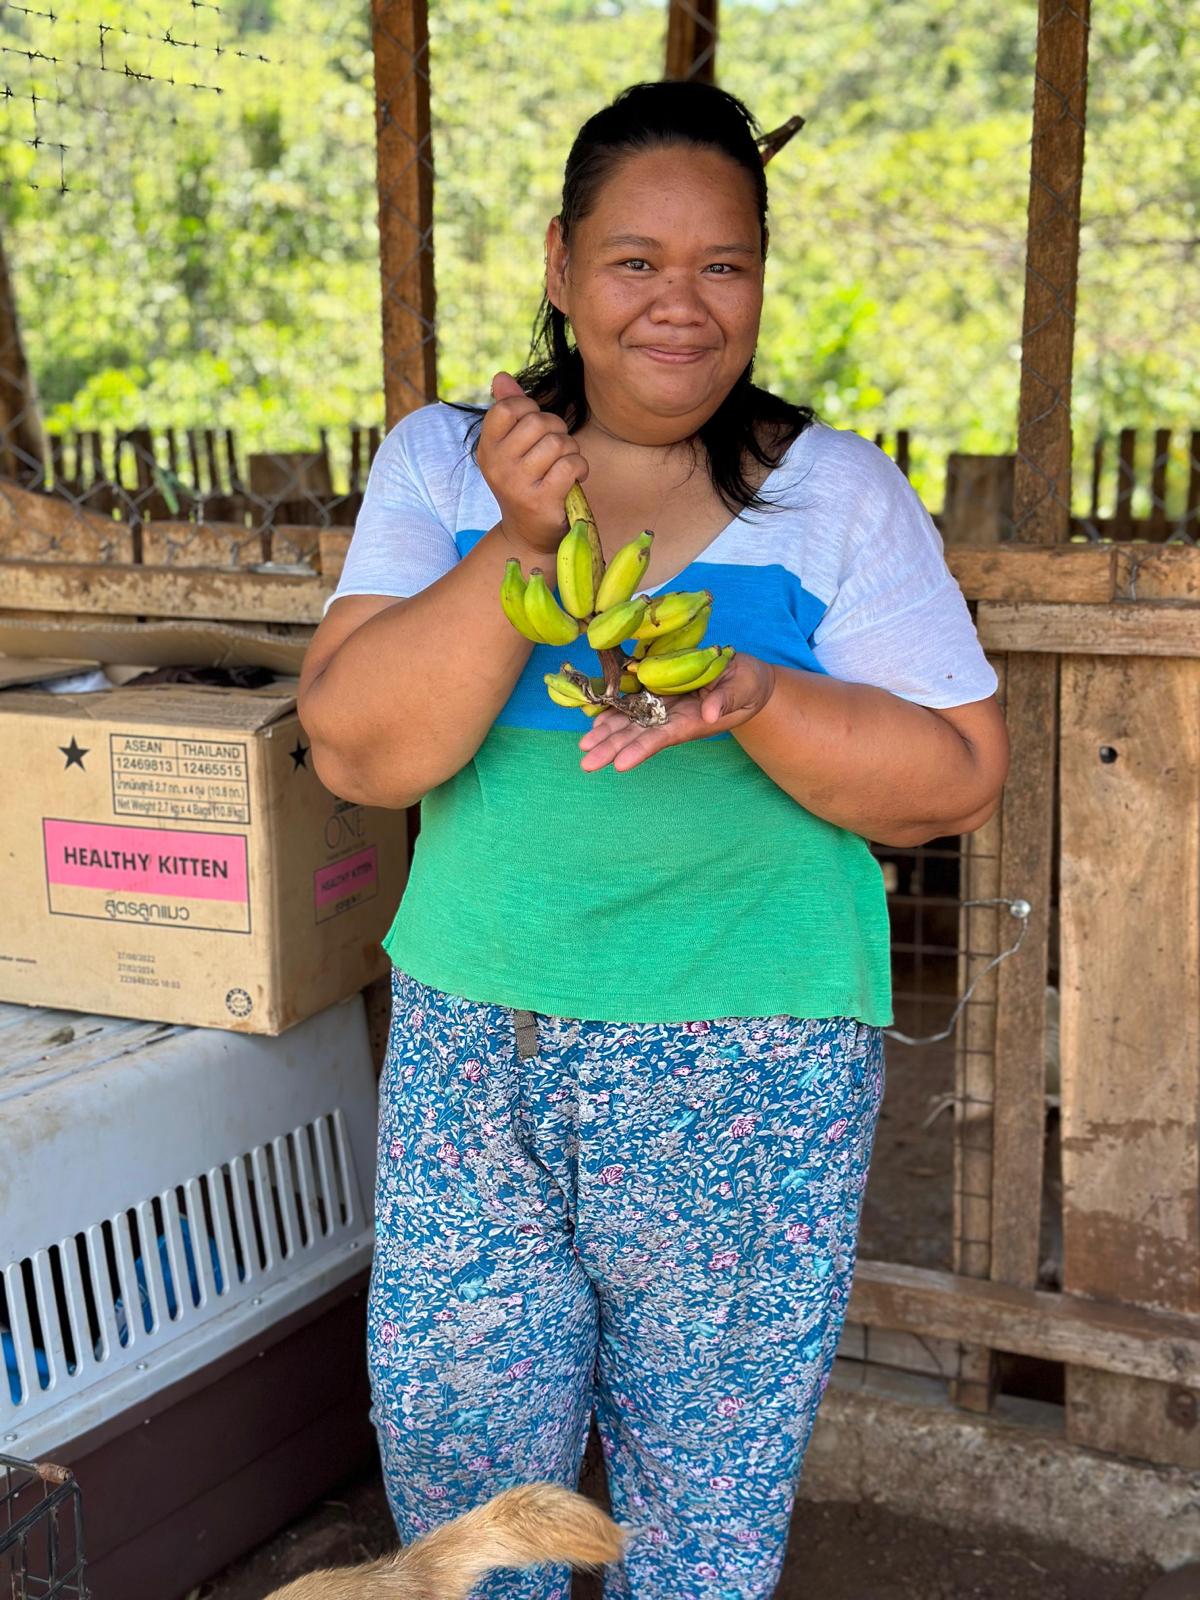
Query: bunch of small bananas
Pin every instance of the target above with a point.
(668, 656)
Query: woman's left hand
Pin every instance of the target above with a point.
(741, 691)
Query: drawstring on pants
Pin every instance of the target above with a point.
(526, 1029)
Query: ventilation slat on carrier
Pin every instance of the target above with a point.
(51, 1341)
(345, 1190)
(21, 1364)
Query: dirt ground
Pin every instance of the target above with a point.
(837, 1552)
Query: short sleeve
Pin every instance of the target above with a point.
(897, 619)
(401, 542)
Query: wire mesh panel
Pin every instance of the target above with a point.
(41, 1533)
(189, 303)
(1136, 386)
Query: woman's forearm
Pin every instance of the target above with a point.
(403, 701)
(894, 772)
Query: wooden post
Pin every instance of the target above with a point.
(1130, 907)
(22, 443)
(692, 40)
(1041, 515)
(405, 180)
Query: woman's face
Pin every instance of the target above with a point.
(662, 283)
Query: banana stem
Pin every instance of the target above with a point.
(612, 664)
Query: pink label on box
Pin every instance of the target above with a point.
(349, 876)
(159, 861)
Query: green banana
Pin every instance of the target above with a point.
(576, 574)
(625, 572)
(512, 599)
(666, 613)
(683, 638)
(668, 673)
(545, 614)
(629, 683)
(606, 631)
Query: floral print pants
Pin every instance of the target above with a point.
(652, 1222)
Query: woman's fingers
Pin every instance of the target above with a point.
(505, 387)
(529, 461)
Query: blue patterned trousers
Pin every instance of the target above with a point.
(654, 1222)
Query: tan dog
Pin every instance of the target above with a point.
(518, 1528)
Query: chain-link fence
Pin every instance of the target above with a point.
(189, 317)
(189, 285)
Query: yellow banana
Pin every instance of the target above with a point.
(578, 510)
(606, 631)
(666, 674)
(563, 691)
(710, 674)
(625, 572)
(512, 600)
(629, 683)
(666, 613)
(683, 638)
(576, 581)
(545, 614)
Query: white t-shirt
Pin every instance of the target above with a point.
(846, 552)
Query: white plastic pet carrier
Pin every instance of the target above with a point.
(166, 1195)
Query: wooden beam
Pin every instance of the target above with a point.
(404, 169)
(692, 40)
(332, 548)
(22, 442)
(1041, 516)
(1026, 572)
(1042, 480)
(1107, 1336)
(1150, 629)
(1157, 572)
(104, 589)
(44, 525)
(1130, 911)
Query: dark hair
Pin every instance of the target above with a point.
(650, 116)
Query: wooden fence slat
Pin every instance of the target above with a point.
(1083, 573)
(1041, 516)
(1158, 483)
(1130, 908)
(974, 1084)
(1157, 572)
(1190, 525)
(161, 591)
(1108, 1336)
(202, 544)
(1148, 629)
(1097, 472)
(1126, 483)
(44, 527)
(1026, 820)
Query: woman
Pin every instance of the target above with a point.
(635, 1059)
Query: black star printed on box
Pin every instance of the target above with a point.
(74, 754)
(299, 755)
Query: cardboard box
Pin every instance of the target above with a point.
(169, 853)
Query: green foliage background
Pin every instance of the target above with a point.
(213, 258)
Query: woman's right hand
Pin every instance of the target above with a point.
(529, 462)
